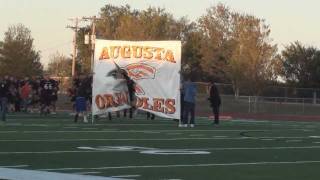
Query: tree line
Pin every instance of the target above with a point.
(222, 45)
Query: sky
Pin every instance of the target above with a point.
(289, 20)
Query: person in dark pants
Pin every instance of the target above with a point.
(4, 93)
(81, 101)
(46, 89)
(131, 89)
(215, 102)
(190, 91)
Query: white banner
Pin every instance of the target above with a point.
(154, 66)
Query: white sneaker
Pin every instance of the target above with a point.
(85, 120)
(192, 125)
(180, 125)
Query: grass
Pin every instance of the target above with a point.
(239, 149)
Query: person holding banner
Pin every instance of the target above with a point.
(190, 91)
(131, 91)
(150, 115)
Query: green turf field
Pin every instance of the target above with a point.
(158, 149)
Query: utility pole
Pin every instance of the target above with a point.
(93, 41)
(93, 20)
(75, 28)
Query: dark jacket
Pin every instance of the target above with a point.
(4, 89)
(214, 98)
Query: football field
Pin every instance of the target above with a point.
(157, 149)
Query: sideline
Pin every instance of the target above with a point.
(21, 174)
(162, 139)
(199, 149)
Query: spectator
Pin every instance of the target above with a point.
(190, 91)
(215, 102)
(4, 93)
(54, 95)
(35, 83)
(26, 95)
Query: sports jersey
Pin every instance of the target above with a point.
(48, 87)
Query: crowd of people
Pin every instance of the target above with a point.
(40, 94)
(35, 94)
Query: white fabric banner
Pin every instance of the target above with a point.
(154, 66)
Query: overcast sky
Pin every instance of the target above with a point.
(290, 20)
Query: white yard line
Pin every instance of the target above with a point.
(173, 134)
(91, 172)
(267, 139)
(88, 128)
(196, 135)
(148, 131)
(196, 149)
(293, 141)
(127, 176)
(15, 166)
(188, 165)
(152, 139)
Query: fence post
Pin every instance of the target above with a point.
(303, 108)
(249, 104)
(314, 97)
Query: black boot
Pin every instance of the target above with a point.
(76, 118)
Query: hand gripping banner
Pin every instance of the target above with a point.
(153, 67)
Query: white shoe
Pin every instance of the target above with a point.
(180, 125)
(192, 125)
(85, 120)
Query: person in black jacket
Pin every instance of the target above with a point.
(215, 101)
(131, 89)
(4, 93)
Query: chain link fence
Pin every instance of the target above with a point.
(273, 100)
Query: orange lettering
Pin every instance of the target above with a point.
(170, 106)
(104, 54)
(114, 51)
(158, 53)
(100, 102)
(109, 102)
(157, 105)
(169, 56)
(148, 52)
(125, 52)
(137, 51)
